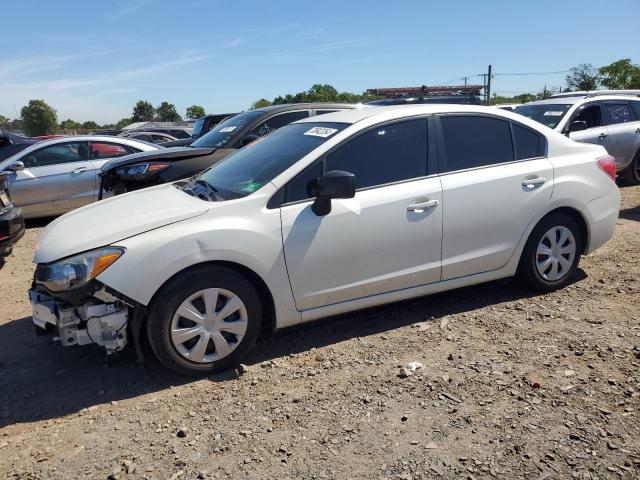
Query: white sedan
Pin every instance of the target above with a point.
(55, 176)
(322, 217)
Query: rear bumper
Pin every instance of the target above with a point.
(11, 228)
(602, 214)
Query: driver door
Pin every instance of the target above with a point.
(55, 179)
(596, 132)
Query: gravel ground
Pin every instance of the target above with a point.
(512, 385)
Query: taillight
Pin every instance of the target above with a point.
(608, 165)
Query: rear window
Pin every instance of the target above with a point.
(635, 106)
(615, 113)
(529, 144)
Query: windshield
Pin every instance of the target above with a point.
(219, 136)
(197, 128)
(548, 114)
(251, 167)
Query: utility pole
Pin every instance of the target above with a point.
(488, 88)
(465, 79)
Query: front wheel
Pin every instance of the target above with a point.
(631, 174)
(204, 321)
(552, 253)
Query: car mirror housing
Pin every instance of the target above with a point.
(333, 184)
(577, 126)
(16, 166)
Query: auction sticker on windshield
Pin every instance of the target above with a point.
(553, 113)
(322, 132)
(227, 129)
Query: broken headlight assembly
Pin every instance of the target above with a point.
(142, 169)
(75, 272)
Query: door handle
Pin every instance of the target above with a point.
(80, 169)
(533, 182)
(602, 136)
(422, 206)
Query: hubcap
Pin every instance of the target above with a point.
(209, 325)
(555, 254)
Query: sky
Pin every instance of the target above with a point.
(92, 60)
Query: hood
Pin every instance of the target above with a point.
(167, 154)
(114, 219)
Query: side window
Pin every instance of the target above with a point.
(615, 113)
(529, 144)
(386, 154)
(591, 115)
(303, 185)
(100, 150)
(159, 139)
(474, 141)
(57, 154)
(322, 112)
(278, 121)
(635, 106)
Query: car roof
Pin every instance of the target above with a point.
(399, 111)
(573, 100)
(298, 106)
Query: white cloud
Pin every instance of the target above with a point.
(124, 8)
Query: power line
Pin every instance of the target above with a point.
(533, 73)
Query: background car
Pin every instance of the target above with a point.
(151, 137)
(153, 168)
(11, 220)
(11, 143)
(600, 117)
(54, 176)
(201, 126)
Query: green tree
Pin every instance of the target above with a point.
(620, 75)
(322, 93)
(143, 111)
(166, 112)
(16, 124)
(521, 98)
(123, 123)
(39, 118)
(4, 122)
(195, 111)
(90, 125)
(583, 77)
(263, 102)
(69, 124)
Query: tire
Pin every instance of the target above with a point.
(631, 174)
(532, 270)
(204, 352)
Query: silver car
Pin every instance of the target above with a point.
(607, 118)
(55, 176)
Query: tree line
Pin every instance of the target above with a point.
(40, 118)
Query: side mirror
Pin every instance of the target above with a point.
(333, 184)
(16, 166)
(577, 126)
(250, 138)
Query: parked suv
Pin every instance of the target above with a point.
(143, 170)
(602, 118)
(330, 214)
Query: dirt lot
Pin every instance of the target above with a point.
(327, 400)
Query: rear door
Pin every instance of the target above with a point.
(56, 178)
(623, 130)
(495, 177)
(388, 237)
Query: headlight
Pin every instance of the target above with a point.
(142, 169)
(76, 271)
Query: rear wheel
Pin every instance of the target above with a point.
(552, 253)
(631, 174)
(204, 321)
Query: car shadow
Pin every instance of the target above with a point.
(39, 379)
(632, 213)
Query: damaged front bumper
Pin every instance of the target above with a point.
(101, 318)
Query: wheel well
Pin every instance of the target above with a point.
(268, 305)
(577, 216)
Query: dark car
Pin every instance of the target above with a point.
(141, 170)
(10, 143)
(11, 220)
(201, 126)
